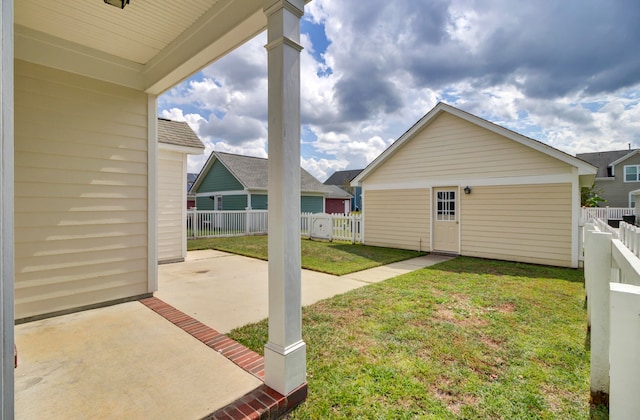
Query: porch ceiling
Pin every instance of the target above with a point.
(148, 45)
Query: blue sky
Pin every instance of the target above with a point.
(563, 72)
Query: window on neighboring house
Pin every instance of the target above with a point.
(632, 200)
(631, 173)
(218, 202)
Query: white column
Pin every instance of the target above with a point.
(285, 352)
(152, 193)
(6, 207)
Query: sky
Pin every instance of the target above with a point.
(565, 72)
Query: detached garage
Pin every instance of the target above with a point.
(458, 184)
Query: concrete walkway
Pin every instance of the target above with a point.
(232, 290)
(126, 361)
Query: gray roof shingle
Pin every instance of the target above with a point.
(252, 173)
(177, 133)
(603, 159)
(341, 178)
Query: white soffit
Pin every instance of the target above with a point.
(150, 45)
(136, 33)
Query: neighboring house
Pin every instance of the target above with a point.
(191, 199)
(338, 201)
(79, 154)
(234, 182)
(458, 184)
(176, 140)
(618, 175)
(343, 180)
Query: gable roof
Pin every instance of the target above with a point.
(583, 167)
(337, 192)
(603, 160)
(342, 177)
(252, 173)
(179, 134)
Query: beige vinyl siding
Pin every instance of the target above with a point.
(527, 223)
(451, 147)
(80, 191)
(171, 205)
(397, 218)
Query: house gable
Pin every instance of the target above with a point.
(452, 148)
(218, 178)
(464, 143)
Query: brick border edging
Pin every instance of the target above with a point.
(261, 403)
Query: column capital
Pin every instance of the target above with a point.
(294, 6)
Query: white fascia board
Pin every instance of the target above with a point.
(623, 158)
(40, 48)
(584, 168)
(181, 149)
(205, 170)
(609, 178)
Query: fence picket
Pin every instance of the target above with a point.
(211, 224)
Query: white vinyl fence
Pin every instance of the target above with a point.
(212, 224)
(606, 213)
(612, 284)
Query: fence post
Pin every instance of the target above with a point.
(598, 270)
(247, 221)
(353, 228)
(625, 357)
(589, 228)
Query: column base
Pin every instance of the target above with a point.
(285, 369)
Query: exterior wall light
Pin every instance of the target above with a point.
(117, 3)
(467, 190)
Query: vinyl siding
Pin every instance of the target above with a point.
(614, 189)
(219, 179)
(311, 204)
(451, 147)
(526, 223)
(397, 219)
(80, 191)
(171, 205)
(258, 202)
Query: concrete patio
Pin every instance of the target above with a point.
(164, 357)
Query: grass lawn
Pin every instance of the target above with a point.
(327, 257)
(464, 339)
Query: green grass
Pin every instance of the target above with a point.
(337, 258)
(465, 339)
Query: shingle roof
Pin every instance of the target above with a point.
(337, 192)
(177, 133)
(341, 178)
(603, 159)
(252, 173)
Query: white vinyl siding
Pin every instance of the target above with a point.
(397, 219)
(527, 223)
(171, 205)
(80, 191)
(450, 147)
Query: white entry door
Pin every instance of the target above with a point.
(445, 220)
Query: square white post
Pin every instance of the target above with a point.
(285, 352)
(6, 208)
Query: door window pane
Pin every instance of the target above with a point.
(446, 206)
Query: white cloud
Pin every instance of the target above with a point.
(560, 73)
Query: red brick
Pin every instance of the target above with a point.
(255, 364)
(228, 346)
(205, 336)
(238, 353)
(232, 411)
(246, 409)
(247, 359)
